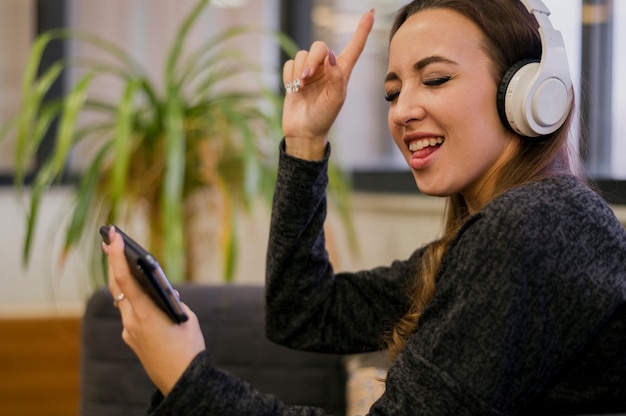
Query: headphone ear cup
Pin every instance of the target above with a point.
(511, 95)
(535, 97)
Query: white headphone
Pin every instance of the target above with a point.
(534, 98)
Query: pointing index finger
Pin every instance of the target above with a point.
(353, 49)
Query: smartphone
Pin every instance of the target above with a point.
(147, 271)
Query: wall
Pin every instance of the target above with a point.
(16, 27)
(386, 227)
(145, 28)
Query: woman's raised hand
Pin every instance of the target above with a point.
(316, 82)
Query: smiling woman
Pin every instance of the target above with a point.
(518, 308)
(593, 37)
(442, 90)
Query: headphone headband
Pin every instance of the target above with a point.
(551, 40)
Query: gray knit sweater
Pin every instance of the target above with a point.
(529, 314)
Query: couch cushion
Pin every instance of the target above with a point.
(232, 320)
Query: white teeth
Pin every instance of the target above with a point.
(416, 145)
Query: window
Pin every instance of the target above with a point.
(619, 91)
(594, 32)
(145, 28)
(16, 28)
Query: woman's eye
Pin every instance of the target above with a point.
(392, 95)
(436, 81)
(430, 82)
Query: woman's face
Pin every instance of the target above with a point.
(443, 115)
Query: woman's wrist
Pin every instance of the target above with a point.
(313, 149)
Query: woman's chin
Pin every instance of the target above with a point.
(430, 188)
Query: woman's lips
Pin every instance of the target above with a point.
(422, 149)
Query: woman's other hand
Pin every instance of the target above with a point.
(316, 82)
(164, 348)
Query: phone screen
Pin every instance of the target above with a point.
(150, 276)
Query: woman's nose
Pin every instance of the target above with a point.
(407, 108)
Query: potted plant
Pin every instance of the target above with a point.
(157, 148)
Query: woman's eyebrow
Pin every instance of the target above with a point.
(421, 64)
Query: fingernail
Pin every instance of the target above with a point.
(112, 233)
(332, 59)
(105, 248)
(305, 73)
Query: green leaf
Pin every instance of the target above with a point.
(128, 64)
(72, 107)
(204, 58)
(27, 141)
(84, 198)
(172, 193)
(203, 100)
(42, 181)
(55, 164)
(34, 59)
(179, 41)
(122, 145)
(28, 146)
(231, 254)
(339, 193)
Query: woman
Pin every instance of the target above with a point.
(517, 309)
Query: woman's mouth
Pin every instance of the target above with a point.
(420, 144)
(423, 150)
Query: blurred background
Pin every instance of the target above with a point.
(391, 218)
(592, 31)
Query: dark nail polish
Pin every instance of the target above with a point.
(332, 59)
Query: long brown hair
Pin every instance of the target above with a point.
(510, 36)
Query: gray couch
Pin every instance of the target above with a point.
(232, 319)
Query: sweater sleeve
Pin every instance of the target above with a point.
(206, 390)
(310, 307)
